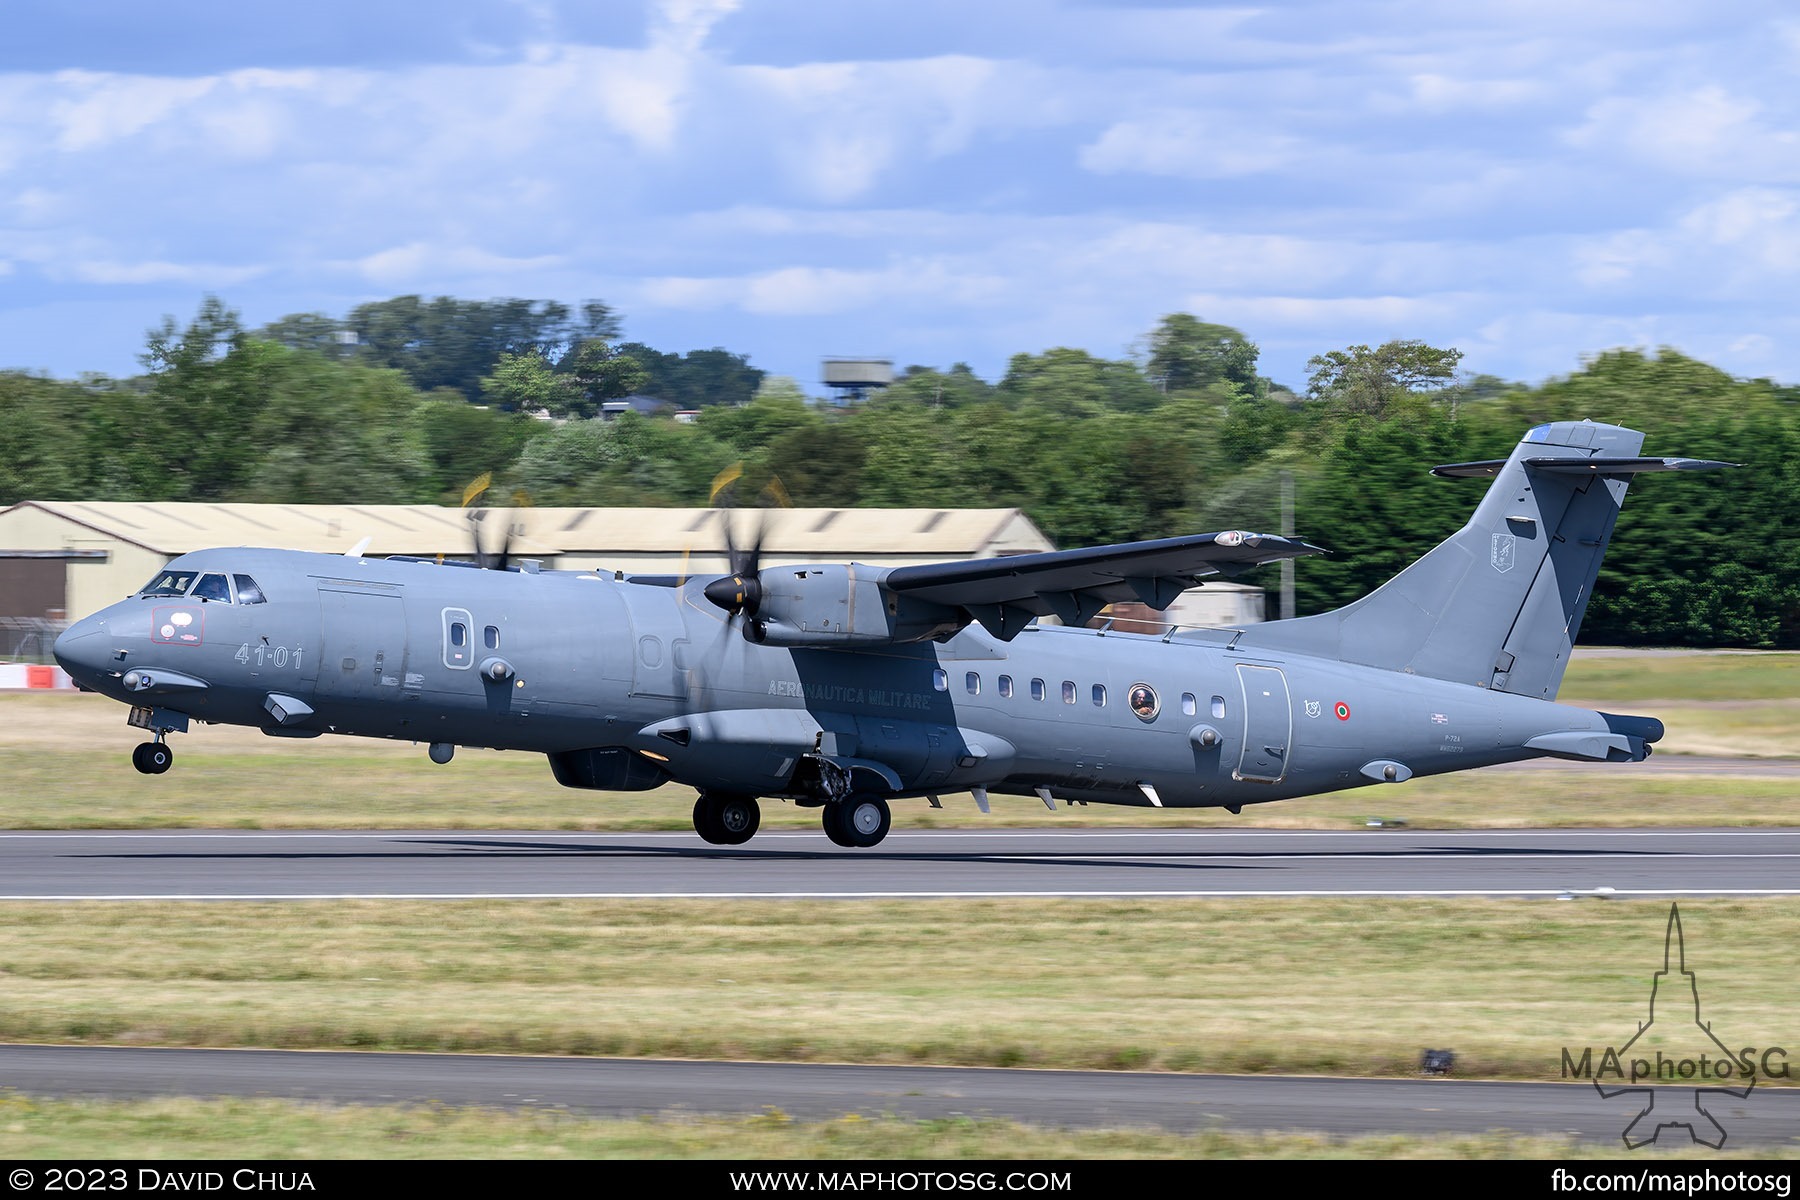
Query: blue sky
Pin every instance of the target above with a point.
(927, 180)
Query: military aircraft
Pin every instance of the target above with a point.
(845, 686)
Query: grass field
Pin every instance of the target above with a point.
(1309, 986)
(175, 1129)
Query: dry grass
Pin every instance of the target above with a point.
(1316, 986)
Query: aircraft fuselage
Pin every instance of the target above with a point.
(630, 685)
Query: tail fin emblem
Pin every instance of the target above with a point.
(1501, 555)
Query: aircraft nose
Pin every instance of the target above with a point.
(82, 649)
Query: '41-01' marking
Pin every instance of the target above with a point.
(277, 656)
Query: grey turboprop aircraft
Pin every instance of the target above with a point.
(846, 686)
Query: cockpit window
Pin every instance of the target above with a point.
(212, 587)
(169, 583)
(248, 592)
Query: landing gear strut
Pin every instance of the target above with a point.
(859, 820)
(153, 758)
(725, 819)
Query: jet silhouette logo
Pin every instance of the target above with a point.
(1674, 1062)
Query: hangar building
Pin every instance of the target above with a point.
(60, 560)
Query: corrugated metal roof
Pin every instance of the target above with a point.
(175, 528)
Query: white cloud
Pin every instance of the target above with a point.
(199, 274)
(1188, 144)
(1442, 93)
(1703, 131)
(408, 265)
(96, 109)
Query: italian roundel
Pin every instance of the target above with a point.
(176, 626)
(1342, 710)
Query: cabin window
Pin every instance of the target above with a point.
(213, 587)
(490, 637)
(1068, 691)
(972, 681)
(1006, 687)
(1189, 705)
(1037, 689)
(1099, 695)
(1143, 702)
(1218, 708)
(169, 583)
(457, 653)
(248, 592)
(940, 680)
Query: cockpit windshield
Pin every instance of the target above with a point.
(170, 583)
(210, 586)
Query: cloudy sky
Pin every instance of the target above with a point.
(928, 180)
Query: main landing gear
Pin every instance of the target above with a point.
(859, 820)
(153, 758)
(725, 819)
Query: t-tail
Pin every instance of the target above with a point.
(1499, 603)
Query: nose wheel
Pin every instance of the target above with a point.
(860, 820)
(153, 758)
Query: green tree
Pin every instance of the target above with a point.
(697, 379)
(1075, 382)
(600, 374)
(526, 383)
(45, 455)
(1364, 382)
(208, 384)
(1187, 354)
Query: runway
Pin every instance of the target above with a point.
(192, 865)
(1059, 1099)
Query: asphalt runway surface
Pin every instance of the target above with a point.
(1056, 1099)
(1026, 862)
(801, 864)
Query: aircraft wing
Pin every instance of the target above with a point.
(1004, 594)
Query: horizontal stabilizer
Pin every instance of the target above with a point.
(1580, 466)
(1583, 743)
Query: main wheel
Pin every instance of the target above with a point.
(706, 820)
(737, 818)
(832, 818)
(137, 756)
(725, 819)
(862, 820)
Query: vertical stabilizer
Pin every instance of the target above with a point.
(1499, 603)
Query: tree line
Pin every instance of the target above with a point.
(406, 400)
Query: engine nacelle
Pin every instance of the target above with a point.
(836, 605)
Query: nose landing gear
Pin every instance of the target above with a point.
(153, 758)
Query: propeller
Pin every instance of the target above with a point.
(740, 592)
(502, 560)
